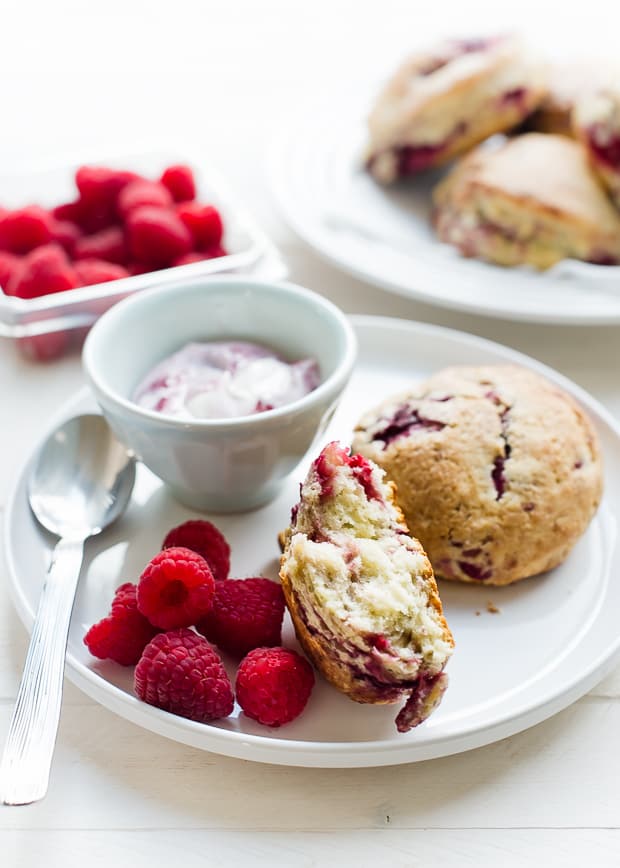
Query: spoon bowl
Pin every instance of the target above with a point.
(82, 479)
(80, 483)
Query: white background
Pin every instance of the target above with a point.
(222, 77)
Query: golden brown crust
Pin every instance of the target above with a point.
(509, 483)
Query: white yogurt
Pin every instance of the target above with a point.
(225, 379)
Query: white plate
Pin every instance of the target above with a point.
(383, 235)
(554, 638)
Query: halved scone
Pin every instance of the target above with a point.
(442, 102)
(361, 591)
(597, 124)
(532, 200)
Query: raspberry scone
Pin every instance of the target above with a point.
(442, 102)
(361, 591)
(498, 469)
(531, 201)
(597, 124)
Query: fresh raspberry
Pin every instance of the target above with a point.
(23, 230)
(182, 673)
(65, 233)
(124, 634)
(246, 614)
(99, 190)
(139, 268)
(109, 244)
(204, 223)
(157, 236)
(71, 212)
(176, 589)
(45, 348)
(180, 181)
(92, 271)
(206, 540)
(274, 685)
(44, 271)
(214, 252)
(140, 193)
(190, 258)
(9, 264)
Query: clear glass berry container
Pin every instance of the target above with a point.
(46, 327)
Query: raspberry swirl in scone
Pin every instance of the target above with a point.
(498, 470)
(530, 201)
(361, 591)
(441, 103)
(597, 124)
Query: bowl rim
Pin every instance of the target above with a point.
(336, 380)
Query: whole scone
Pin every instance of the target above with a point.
(498, 470)
(443, 101)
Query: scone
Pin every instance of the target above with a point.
(530, 201)
(498, 470)
(441, 103)
(361, 591)
(566, 85)
(597, 124)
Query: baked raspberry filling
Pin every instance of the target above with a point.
(497, 474)
(333, 457)
(474, 571)
(605, 145)
(416, 708)
(405, 420)
(516, 97)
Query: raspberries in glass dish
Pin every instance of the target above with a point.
(117, 217)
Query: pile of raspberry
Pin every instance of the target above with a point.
(120, 224)
(184, 605)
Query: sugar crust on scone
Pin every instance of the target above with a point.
(443, 102)
(498, 469)
(361, 591)
(531, 200)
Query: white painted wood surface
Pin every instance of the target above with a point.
(83, 77)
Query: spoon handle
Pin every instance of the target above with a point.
(25, 767)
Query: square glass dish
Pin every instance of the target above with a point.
(71, 313)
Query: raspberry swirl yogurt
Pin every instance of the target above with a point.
(224, 379)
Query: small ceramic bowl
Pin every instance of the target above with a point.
(225, 465)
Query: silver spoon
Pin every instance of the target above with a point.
(80, 483)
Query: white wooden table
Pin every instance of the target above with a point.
(83, 77)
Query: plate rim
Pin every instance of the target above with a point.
(344, 754)
(275, 159)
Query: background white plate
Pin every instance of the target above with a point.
(383, 234)
(553, 639)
